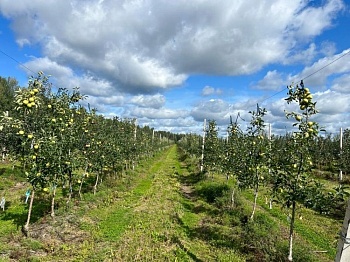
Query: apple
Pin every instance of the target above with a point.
(305, 101)
(298, 118)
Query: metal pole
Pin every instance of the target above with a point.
(341, 150)
(343, 250)
(203, 142)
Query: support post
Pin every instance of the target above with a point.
(203, 142)
(343, 250)
(341, 151)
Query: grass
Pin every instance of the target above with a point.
(164, 210)
(318, 232)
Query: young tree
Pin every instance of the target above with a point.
(7, 93)
(234, 154)
(291, 173)
(256, 169)
(212, 152)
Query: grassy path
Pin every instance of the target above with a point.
(149, 224)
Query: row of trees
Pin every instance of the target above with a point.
(61, 143)
(284, 165)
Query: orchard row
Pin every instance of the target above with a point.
(283, 165)
(60, 143)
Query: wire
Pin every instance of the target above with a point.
(346, 53)
(275, 94)
(21, 64)
(315, 72)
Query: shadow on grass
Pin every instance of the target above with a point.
(190, 179)
(15, 172)
(19, 214)
(177, 241)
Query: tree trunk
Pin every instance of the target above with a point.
(26, 226)
(233, 198)
(255, 200)
(80, 187)
(70, 185)
(53, 201)
(291, 229)
(95, 186)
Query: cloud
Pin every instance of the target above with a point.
(341, 84)
(162, 113)
(154, 101)
(331, 102)
(312, 20)
(208, 90)
(214, 109)
(126, 55)
(271, 81)
(304, 56)
(330, 65)
(128, 44)
(66, 78)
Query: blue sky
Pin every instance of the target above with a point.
(172, 64)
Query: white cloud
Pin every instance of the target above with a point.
(162, 113)
(153, 101)
(341, 84)
(129, 53)
(311, 21)
(328, 66)
(331, 102)
(66, 78)
(271, 81)
(146, 46)
(208, 90)
(214, 109)
(303, 56)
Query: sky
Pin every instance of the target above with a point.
(172, 64)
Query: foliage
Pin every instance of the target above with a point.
(59, 143)
(212, 152)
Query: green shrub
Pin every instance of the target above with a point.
(211, 191)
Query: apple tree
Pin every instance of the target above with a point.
(291, 173)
